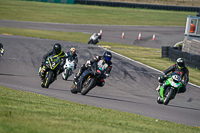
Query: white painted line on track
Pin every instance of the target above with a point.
(141, 63)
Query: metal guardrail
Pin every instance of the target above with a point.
(135, 5)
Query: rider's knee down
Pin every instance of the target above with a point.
(101, 83)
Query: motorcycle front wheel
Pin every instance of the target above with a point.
(87, 85)
(47, 80)
(65, 74)
(90, 42)
(169, 96)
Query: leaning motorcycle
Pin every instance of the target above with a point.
(1, 52)
(169, 88)
(93, 40)
(51, 69)
(88, 80)
(68, 68)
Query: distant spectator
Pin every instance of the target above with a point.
(192, 27)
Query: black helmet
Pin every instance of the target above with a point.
(56, 48)
(181, 63)
(107, 56)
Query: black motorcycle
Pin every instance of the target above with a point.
(88, 80)
(51, 68)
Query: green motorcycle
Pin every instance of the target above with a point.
(169, 88)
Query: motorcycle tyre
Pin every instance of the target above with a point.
(66, 75)
(169, 96)
(89, 42)
(89, 86)
(159, 100)
(47, 80)
(74, 89)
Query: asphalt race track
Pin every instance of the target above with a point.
(131, 88)
(164, 36)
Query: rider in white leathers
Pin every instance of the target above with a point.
(95, 38)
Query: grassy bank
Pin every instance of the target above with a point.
(23, 112)
(84, 14)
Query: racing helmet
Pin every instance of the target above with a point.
(181, 63)
(72, 51)
(107, 56)
(56, 48)
(176, 78)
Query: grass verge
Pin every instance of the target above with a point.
(85, 14)
(24, 112)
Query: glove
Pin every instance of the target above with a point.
(107, 75)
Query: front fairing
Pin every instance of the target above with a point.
(98, 71)
(69, 64)
(53, 62)
(169, 83)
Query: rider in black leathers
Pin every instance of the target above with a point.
(179, 68)
(103, 61)
(57, 50)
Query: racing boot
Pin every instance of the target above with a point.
(42, 73)
(76, 76)
(159, 85)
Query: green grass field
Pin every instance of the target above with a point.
(32, 113)
(24, 112)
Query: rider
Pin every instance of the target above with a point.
(179, 68)
(71, 55)
(57, 50)
(1, 49)
(103, 61)
(96, 37)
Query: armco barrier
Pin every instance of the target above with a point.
(173, 53)
(135, 5)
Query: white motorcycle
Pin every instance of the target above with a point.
(94, 39)
(68, 69)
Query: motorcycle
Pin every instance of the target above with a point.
(91, 77)
(169, 88)
(94, 39)
(68, 69)
(51, 69)
(1, 52)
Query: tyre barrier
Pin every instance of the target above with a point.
(173, 53)
(135, 5)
